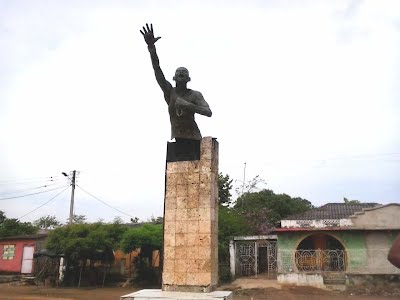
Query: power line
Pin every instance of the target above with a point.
(48, 201)
(103, 202)
(31, 182)
(14, 197)
(6, 181)
(29, 189)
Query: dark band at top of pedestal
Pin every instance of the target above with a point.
(183, 150)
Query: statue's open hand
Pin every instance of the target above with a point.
(148, 34)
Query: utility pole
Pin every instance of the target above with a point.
(244, 177)
(71, 208)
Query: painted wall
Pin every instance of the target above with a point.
(382, 217)
(366, 250)
(301, 279)
(316, 223)
(13, 265)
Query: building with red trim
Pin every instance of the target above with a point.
(16, 252)
(338, 244)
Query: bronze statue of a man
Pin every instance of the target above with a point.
(182, 102)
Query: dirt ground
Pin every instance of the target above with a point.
(272, 292)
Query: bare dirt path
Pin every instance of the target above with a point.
(8, 291)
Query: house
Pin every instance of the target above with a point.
(338, 243)
(17, 252)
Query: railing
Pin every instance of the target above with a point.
(315, 261)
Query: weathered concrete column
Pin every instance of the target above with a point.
(191, 222)
(232, 258)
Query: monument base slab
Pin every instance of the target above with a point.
(149, 294)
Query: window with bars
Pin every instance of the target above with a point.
(8, 252)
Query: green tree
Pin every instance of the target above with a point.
(47, 222)
(347, 201)
(78, 219)
(230, 224)
(10, 227)
(79, 242)
(224, 190)
(147, 238)
(264, 209)
(2, 216)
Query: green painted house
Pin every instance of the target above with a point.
(338, 243)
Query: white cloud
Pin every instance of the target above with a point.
(289, 85)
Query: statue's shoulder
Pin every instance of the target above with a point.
(195, 94)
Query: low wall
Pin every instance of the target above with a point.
(301, 279)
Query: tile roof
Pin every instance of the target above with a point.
(332, 211)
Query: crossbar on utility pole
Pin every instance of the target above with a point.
(71, 208)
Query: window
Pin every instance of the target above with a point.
(8, 252)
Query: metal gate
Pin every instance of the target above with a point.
(256, 257)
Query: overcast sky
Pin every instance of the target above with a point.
(305, 92)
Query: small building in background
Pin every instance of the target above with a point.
(17, 252)
(338, 244)
(253, 256)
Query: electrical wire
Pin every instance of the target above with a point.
(29, 189)
(45, 178)
(105, 203)
(36, 182)
(14, 197)
(48, 201)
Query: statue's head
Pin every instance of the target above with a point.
(181, 75)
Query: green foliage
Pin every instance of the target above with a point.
(264, 209)
(118, 220)
(147, 235)
(147, 238)
(86, 241)
(47, 222)
(347, 201)
(224, 190)
(230, 223)
(10, 227)
(135, 220)
(78, 219)
(156, 220)
(2, 216)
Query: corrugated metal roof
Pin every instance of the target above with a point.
(331, 211)
(24, 237)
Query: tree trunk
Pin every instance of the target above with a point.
(80, 272)
(104, 275)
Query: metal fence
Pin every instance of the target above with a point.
(256, 257)
(316, 261)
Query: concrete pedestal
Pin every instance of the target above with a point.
(191, 222)
(165, 295)
(190, 256)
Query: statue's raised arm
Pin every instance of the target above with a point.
(183, 103)
(148, 34)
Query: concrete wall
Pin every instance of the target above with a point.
(316, 223)
(13, 265)
(300, 279)
(366, 250)
(382, 217)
